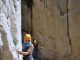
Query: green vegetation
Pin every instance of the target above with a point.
(15, 40)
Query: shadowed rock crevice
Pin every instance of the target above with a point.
(68, 30)
(62, 6)
(68, 34)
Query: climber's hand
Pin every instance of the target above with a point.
(19, 52)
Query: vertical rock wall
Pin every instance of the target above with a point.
(26, 17)
(10, 29)
(56, 27)
(74, 27)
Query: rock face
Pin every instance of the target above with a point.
(26, 18)
(10, 29)
(56, 27)
(54, 24)
(74, 30)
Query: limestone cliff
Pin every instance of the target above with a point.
(10, 29)
(56, 27)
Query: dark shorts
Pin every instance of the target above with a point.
(28, 58)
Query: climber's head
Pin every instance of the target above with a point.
(27, 37)
(35, 41)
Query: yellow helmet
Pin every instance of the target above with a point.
(35, 41)
(27, 37)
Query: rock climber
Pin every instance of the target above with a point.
(27, 48)
(36, 50)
